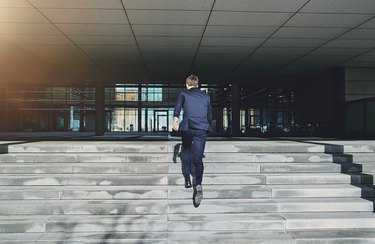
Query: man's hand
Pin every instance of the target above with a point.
(175, 124)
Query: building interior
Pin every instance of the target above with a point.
(280, 67)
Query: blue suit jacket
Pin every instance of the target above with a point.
(197, 110)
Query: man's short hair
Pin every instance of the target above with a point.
(192, 80)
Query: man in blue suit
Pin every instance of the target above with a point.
(194, 128)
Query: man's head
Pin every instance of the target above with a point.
(192, 81)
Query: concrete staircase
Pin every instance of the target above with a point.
(132, 192)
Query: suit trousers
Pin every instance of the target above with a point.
(193, 142)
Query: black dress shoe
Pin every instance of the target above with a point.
(197, 195)
(187, 183)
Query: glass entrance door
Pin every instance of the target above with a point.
(161, 120)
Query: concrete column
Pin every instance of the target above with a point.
(236, 104)
(99, 109)
(139, 107)
(81, 111)
(247, 122)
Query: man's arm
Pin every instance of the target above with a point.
(177, 111)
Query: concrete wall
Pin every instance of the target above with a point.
(359, 83)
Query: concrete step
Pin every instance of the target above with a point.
(179, 192)
(316, 178)
(208, 206)
(130, 192)
(321, 191)
(147, 223)
(84, 168)
(82, 223)
(362, 236)
(268, 168)
(177, 179)
(365, 236)
(224, 179)
(73, 207)
(83, 180)
(83, 192)
(248, 146)
(329, 220)
(86, 237)
(162, 168)
(354, 158)
(267, 237)
(163, 157)
(275, 205)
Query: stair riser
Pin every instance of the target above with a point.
(47, 227)
(305, 224)
(168, 147)
(155, 180)
(181, 194)
(155, 158)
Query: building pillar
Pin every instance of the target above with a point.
(99, 109)
(247, 120)
(236, 105)
(339, 102)
(81, 109)
(139, 107)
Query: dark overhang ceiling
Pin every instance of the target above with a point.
(164, 40)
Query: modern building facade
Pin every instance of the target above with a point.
(272, 68)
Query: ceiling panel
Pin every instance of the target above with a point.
(270, 57)
(369, 24)
(342, 43)
(161, 49)
(295, 42)
(28, 28)
(341, 6)
(110, 49)
(371, 53)
(63, 57)
(47, 47)
(219, 59)
(229, 41)
(361, 61)
(86, 16)
(125, 61)
(103, 40)
(325, 59)
(168, 61)
(167, 30)
(24, 15)
(86, 4)
(37, 39)
(363, 34)
(14, 4)
(239, 31)
(283, 51)
(311, 32)
(171, 56)
(116, 56)
(95, 29)
(328, 20)
(300, 70)
(169, 4)
(338, 51)
(225, 50)
(259, 5)
(158, 17)
(158, 40)
(248, 19)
